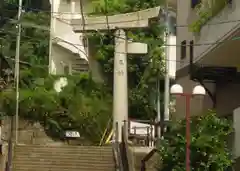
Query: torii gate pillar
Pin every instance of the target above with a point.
(123, 47)
(120, 90)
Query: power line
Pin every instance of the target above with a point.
(77, 13)
(154, 42)
(203, 44)
(157, 42)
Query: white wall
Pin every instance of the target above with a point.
(60, 58)
(210, 32)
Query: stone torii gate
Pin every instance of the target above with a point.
(123, 47)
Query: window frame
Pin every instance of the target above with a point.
(194, 3)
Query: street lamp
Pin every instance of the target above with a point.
(198, 90)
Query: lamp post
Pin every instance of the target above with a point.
(198, 90)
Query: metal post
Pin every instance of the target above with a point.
(17, 68)
(50, 60)
(158, 109)
(120, 95)
(167, 79)
(188, 138)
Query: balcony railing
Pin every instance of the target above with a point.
(205, 11)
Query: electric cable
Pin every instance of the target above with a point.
(201, 44)
(77, 13)
(180, 61)
(196, 44)
(159, 42)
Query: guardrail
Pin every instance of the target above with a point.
(147, 158)
(117, 151)
(10, 147)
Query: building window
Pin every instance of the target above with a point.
(66, 70)
(194, 3)
(183, 49)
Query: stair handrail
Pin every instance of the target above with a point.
(147, 158)
(125, 147)
(116, 150)
(10, 146)
(105, 132)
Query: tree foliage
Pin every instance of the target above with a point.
(83, 105)
(143, 70)
(209, 150)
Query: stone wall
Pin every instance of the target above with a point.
(28, 133)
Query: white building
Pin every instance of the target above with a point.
(68, 50)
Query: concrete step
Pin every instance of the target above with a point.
(65, 162)
(61, 147)
(56, 151)
(64, 158)
(87, 168)
(62, 169)
(72, 165)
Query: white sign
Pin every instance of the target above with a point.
(72, 134)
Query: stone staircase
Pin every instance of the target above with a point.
(64, 158)
(137, 154)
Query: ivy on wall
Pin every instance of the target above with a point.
(205, 11)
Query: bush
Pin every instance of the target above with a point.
(209, 150)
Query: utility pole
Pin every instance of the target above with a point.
(167, 78)
(17, 67)
(123, 46)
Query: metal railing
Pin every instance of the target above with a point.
(116, 150)
(124, 146)
(120, 149)
(147, 158)
(144, 135)
(147, 139)
(10, 147)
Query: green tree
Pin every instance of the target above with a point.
(209, 151)
(83, 105)
(143, 70)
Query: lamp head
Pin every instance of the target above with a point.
(199, 90)
(176, 89)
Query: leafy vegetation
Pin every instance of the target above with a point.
(83, 105)
(205, 11)
(143, 70)
(209, 151)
